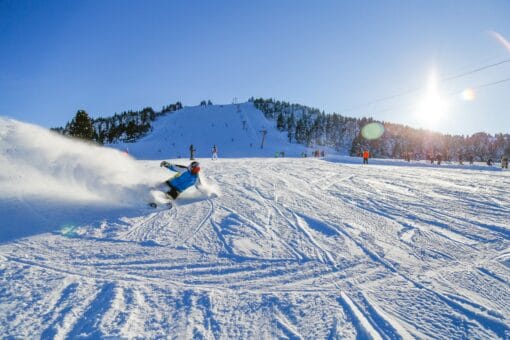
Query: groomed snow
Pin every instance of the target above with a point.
(236, 130)
(293, 247)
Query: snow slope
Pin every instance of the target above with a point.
(205, 126)
(293, 248)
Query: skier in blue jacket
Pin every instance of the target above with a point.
(185, 177)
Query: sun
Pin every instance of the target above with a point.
(432, 107)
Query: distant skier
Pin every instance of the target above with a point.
(185, 177)
(471, 159)
(431, 158)
(366, 154)
(192, 152)
(490, 162)
(214, 152)
(504, 162)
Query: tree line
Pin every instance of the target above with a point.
(311, 127)
(314, 128)
(127, 126)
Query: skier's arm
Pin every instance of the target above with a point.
(174, 167)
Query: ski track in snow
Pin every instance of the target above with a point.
(293, 248)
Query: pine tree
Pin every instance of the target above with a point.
(280, 122)
(291, 126)
(81, 126)
(507, 151)
(131, 131)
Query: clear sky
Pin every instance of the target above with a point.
(108, 56)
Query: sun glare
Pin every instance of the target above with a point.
(468, 95)
(431, 107)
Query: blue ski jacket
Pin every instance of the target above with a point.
(183, 179)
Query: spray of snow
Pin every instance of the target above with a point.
(210, 190)
(35, 162)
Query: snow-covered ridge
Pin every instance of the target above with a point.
(236, 130)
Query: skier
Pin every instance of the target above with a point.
(186, 177)
(471, 159)
(366, 154)
(192, 152)
(214, 152)
(431, 158)
(504, 162)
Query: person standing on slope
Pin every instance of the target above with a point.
(504, 162)
(214, 152)
(185, 177)
(366, 154)
(192, 152)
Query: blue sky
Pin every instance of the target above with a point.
(109, 56)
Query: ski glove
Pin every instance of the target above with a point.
(164, 164)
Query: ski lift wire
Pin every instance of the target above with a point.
(416, 89)
(452, 93)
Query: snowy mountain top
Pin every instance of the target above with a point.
(237, 130)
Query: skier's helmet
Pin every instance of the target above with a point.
(194, 167)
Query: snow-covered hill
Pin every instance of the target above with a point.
(236, 130)
(292, 248)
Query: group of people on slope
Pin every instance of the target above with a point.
(438, 158)
(192, 151)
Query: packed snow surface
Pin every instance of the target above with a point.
(292, 248)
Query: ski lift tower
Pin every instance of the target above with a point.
(234, 101)
(264, 133)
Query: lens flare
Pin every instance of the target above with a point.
(468, 95)
(372, 131)
(68, 230)
(501, 39)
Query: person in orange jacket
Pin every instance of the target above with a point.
(366, 154)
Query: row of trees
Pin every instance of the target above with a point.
(313, 128)
(205, 103)
(310, 126)
(127, 126)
